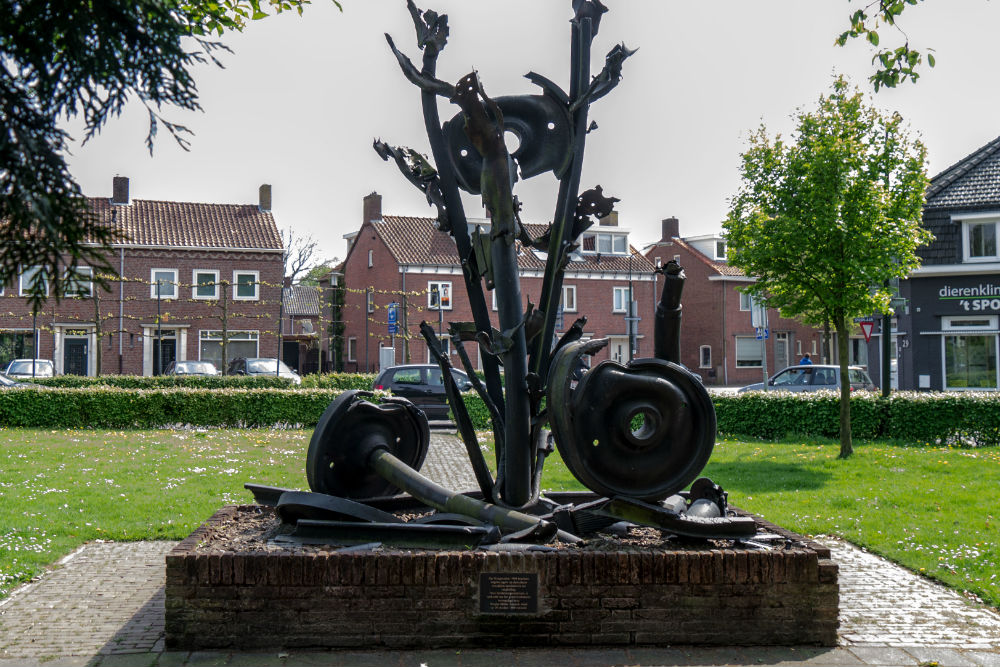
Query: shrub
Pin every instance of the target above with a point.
(166, 382)
(773, 415)
(967, 419)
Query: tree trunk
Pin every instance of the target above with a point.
(846, 446)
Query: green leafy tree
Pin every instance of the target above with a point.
(88, 58)
(896, 64)
(824, 222)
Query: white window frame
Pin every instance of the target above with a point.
(701, 356)
(966, 249)
(736, 352)
(568, 302)
(215, 284)
(371, 258)
(153, 282)
(236, 285)
(619, 295)
(369, 301)
(604, 243)
(982, 331)
(494, 293)
(447, 301)
(746, 302)
(445, 343)
(73, 277)
(352, 348)
(24, 288)
(971, 323)
(725, 247)
(236, 335)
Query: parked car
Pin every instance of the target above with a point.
(423, 385)
(191, 368)
(21, 368)
(814, 377)
(259, 366)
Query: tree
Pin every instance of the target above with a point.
(301, 254)
(893, 65)
(825, 222)
(75, 57)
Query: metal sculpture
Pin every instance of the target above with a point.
(635, 434)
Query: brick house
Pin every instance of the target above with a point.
(184, 273)
(948, 335)
(304, 344)
(718, 340)
(407, 261)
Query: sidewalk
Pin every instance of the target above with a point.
(103, 606)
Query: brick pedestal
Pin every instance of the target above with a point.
(723, 596)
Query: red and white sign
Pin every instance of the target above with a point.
(866, 329)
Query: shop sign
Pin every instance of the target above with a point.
(983, 297)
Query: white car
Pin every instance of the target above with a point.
(814, 377)
(22, 368)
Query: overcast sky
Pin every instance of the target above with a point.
(301, 99)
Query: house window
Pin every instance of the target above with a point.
(80, 281)
(604, 243)
(569, 298)
(28, 278)
(746, 302)
(749, 352)
(445, 344)
(720, 249)
(705, 356)
(16, 345)
(206, 284)
(238, 344)
(980, 241)
(163, 284)
(246, 285)
(620, 300)
(371, 258)
(352, 349)
(369, 301)
(970, 358)
(439, 295)
(494, 293)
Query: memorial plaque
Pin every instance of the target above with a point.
(508, 593)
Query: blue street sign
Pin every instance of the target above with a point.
(392, 318)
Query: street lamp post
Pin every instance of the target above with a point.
(159, 331)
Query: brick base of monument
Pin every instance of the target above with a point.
(217, 598)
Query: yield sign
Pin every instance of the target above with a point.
(866, 329)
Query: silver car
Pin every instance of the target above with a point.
(813, 377)
(22, 368)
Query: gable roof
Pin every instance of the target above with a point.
(301, 300)
(721, 268)
(189, 225)
(971, 182)
(418, 241)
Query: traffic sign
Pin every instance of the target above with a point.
(391, 318)
(866, 329)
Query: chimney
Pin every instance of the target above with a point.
(610, 220)
(372, 208)
(265, 197)
(119, 190)
(671, 229)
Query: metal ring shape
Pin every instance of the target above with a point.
(643, 431)
(349, 430)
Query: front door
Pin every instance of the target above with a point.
(290, 354)
(781, 351)
(75, 356)
(169, 346)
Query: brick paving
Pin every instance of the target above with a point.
(102, 606)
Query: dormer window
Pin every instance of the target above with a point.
(604, 243)
(720, 249)
(979, 237)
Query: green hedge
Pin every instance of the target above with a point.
(955, 418)
(109, 407)
(340, 381)
(960, 419)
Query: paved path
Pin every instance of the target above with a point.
(103, 606)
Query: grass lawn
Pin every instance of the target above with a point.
(931, 509)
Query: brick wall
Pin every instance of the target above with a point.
(594, 294)
(56, 320)
(721, 596)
